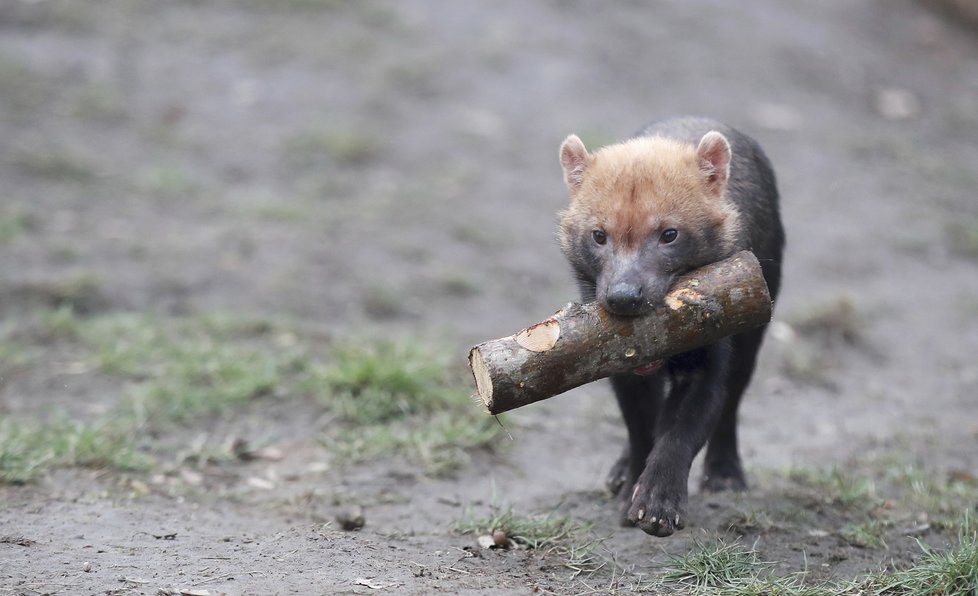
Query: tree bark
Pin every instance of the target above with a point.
(581, 343)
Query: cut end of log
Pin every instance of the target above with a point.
(483, 380)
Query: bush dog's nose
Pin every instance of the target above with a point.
(625, 298)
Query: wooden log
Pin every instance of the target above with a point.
(581, 343)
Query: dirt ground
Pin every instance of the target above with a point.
(366, 169)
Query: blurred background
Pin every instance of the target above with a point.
(389, 169)
(392, 166)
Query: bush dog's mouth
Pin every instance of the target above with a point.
(649, 369)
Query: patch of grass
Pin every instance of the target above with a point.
(179, 369)
(376, 384)
(794, 512)
(870, 533)
(187, 368)
(720, 568)
(529, 531)
(28, 449)
(939, 496)
(876, 497)
(714, 566)
(839, 488)
(440, 442)
(891, 489)
(386, 397)
(207, 449)
(953, 570)
(205, 379)
(743, 522)
(395, 397)
(175, 371)
(569, 541)
(59, 323)
(874, 502)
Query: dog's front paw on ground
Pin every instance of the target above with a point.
(656, 512)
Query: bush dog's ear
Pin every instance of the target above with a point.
(574, 159)
(714, 160)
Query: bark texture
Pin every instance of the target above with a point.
(581, 343)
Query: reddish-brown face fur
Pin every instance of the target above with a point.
(636, 189)
(626, 196)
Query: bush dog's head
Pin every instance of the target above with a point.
(643, 212)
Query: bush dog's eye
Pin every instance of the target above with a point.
(668, 236)
(599, 236)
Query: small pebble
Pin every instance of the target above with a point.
(351, 519)
(500, 539)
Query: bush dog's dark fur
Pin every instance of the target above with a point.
(680, 194)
